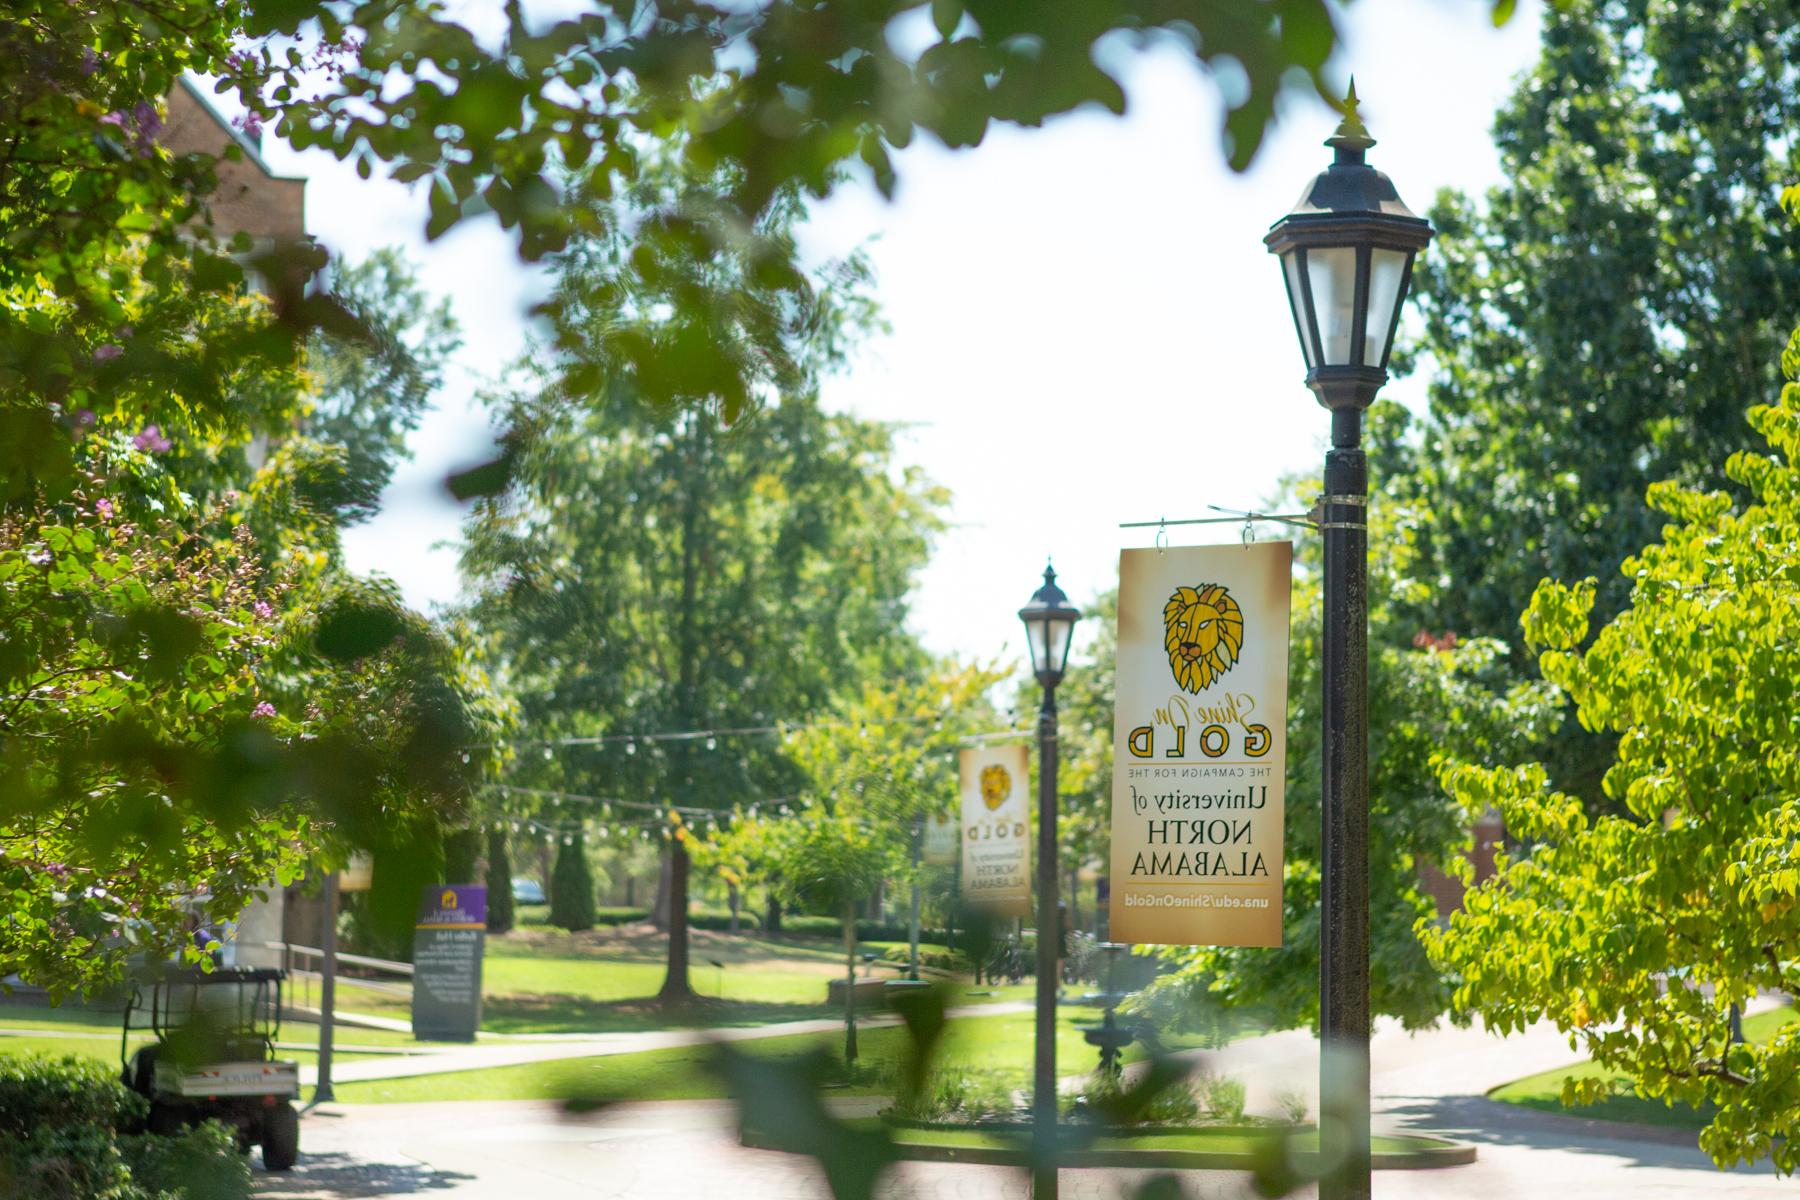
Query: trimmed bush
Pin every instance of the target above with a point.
(866, 931)
(39, 1092)
(499, 882)
(64, 1136)
(462, 855)
(572, 887)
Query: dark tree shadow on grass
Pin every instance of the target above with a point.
(579, 1014)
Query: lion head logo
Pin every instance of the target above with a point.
(1202, 631)
(996, 785)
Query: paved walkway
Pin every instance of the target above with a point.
(1431, 1080)
(484, 1055)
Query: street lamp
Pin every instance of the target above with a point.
(1346, 252)
(1049, 630)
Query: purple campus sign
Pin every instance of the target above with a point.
(453, 906)
(447, 944)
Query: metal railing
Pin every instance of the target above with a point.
(305, 992)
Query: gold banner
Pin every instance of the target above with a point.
(996, 831)
(1200, 745)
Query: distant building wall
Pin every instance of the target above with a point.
(1445, 890)
(250, 197)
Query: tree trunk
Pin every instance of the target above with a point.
(850, 979)
(630, 888)
(732, 895)
(659, 908)
(676, 988)
(877, 899)
(772, 920)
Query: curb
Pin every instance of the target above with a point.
(1432, 1153)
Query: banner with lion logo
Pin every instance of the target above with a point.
(996, 831)
(1200, 745)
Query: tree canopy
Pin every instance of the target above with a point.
(1599, 317)
(1635, 931)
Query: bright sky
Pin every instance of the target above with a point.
(1086, 327)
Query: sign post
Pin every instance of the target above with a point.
(1200, 745)
(447, 943)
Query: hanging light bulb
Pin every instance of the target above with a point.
(630, 746)
(712, 743)
(465, 757)
(548, 754)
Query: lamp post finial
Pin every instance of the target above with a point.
(1351, 137)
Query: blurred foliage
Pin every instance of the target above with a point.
(655, 572)
(1428, 696)
(1600, 319)
(1637, 930)
(69, 1130)
(370, 389)
(530, 120)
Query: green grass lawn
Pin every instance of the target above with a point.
(86, 1034)
(1543, 1091)
(1000, 1045)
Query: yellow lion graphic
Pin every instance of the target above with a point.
(1203, 630)
(996, 785)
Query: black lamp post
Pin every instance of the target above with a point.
(1049, 629)
(1347, 251)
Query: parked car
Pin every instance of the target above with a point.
(528, 891)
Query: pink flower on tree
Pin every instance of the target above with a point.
(263, 709)
(108, 352)
(262, 610)
(152, 441)
(104, 507)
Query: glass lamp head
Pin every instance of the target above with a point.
(1049, 630)
(1347, 251)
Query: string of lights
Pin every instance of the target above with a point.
(786, 730)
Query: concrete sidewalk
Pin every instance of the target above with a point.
(1433, 1079)
(482, 1056)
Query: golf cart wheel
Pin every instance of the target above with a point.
(143, 1071)
(281, 1138)
(166, 1120)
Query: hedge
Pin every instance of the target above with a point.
(69, 1130)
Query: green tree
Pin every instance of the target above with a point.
(462, 855)
(870, 776)
(572, 886)
(371, 387)
(499, 881)
(667, 571)
(1599, 318)
(1635, 931)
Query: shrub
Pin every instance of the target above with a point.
(572, 887)
(1293, 1104)
(949, 1093)
(866, 931)
(721, 921)
(39, 1092)
(1223, 1097)
(63, 1136)
(203, 1163)
(499, 883)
